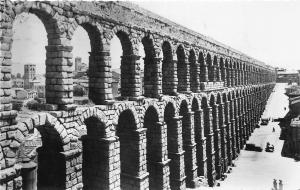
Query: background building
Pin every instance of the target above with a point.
(29, 75)
(287, 76)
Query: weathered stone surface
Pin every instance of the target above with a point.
(194, 142)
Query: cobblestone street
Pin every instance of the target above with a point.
(256, 170)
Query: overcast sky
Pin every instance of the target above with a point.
(266, 30)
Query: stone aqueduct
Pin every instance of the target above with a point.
(201, 102)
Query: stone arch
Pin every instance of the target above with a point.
(174, 146)
(97, 113)
(121, 108)
(212, 99)
(129, 148)
(168, 69)
(194, 68)
(124, 36)
(99, 60)
(153, 104)
(130, 81)
(209, 63)
(49, 16)
(204, 102)
(216, 72)
(182, 68)
(223, 71)
(154, 146)
(203, 69)
(150, 70)
(219, 98)
(224, 97)
(199, 136)
(58, 41)
(93, 30)
(95, 162)
(51, 162)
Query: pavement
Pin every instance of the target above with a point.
(256, 170)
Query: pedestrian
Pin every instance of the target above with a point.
(284, 108)
(273, 129)
(275, 184)
(280, 185)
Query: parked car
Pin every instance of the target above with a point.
(252, 147)
(269, 147)
(264, 121)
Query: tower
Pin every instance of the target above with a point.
(77, 64)
(29, 74)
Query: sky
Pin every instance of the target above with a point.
(266, 30)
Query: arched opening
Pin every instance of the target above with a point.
(154, 148)
(222, 140)
(199, 136)
(123, 71)
(194, 79)
(210, 68)
(95, 160)
(238, 74)
(51, 173)
(234, 74)
(167, 69)
(223, 71)
(149, 71)
(186, 132)
(227, 71)
(28, 61)
(81, 49)
(215, 127)
(173, 144)
(203, 69)
(182, 73)
(216, 71)
(129, 149)
(208, 132)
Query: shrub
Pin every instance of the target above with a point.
(33, 105)
(17, 105)
(78, 91)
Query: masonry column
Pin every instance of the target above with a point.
(228, 76)
(217, 140)
(186, 78)
(200, 144)
(189, 146)
(224, 76)
(232, 128)
(232, 77)
(237, 75)
(106, 177)
(204, 73)
(152, 77)
(228, 132)
(218, 73)
(161, 167)
(237, 125)
(247, 121)
(243, 124)
(210, 152)
(7, 115)
(195, 78)
(222, 125)
(139, 179)
(176, 154)
(130, 76)
(100, 77)
(59, 75)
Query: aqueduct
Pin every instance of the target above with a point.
(201, 101)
